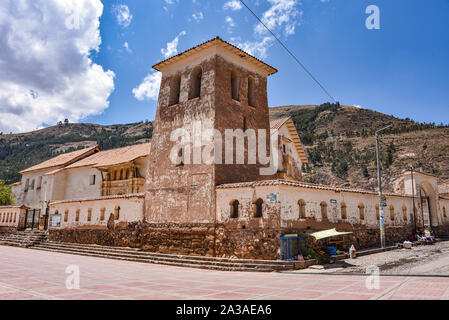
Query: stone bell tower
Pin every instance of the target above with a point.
(213, 86)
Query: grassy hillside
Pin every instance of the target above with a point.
(339, 141)
(20, 151)
(340, 144)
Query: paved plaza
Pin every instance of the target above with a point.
(31, 274)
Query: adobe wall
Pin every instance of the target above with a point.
(77, 183)
(12, 218)
(233, 114)
(131, 210)
(171, 193)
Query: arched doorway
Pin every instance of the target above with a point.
(427, 201)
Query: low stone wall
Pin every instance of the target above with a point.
(208, 239)
(193, 239)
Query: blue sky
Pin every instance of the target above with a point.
(401, 69)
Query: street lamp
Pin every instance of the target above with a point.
(413, 195)
(379, 181)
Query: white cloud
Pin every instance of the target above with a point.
(256, 48)
(172, 47)
(122, 14)
(45, 71)
(149, 88)
(198, 16)
(233, 5)
(282, 16)
(230, 22)
(126, 46)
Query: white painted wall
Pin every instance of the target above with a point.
(131, 210)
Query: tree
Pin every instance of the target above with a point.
(6, 196)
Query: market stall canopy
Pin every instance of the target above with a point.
(327, 234)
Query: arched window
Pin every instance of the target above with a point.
(377, 212)
(251, 94)
(302, 208)
(258, 208)
(344, 214)
(391, 212)
(175, 90)
(66, 215)
(195, 83)
(127, 174)
(323, 210)
(234, 209)
(102, 211)
(77, 216)
(235, 86)
(89, 214)
(15, 216)
(117, 213)
(361, 207)
(404, 212)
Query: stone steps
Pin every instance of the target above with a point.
(138, 251)
(23, 239)
(167, 259)
(38, 240)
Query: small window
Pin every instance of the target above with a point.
(175, 90)
(377, 212)
(32, 184)
(15, 216)
(27, 185)
(92, 179)
(258, 208)
(66, 215)
(344, 214)
(323, 210)
(391, 212)
(89, 214)
(302, 209)
(102, 211)
(234, 209)
(117, 213)
(362, 211)
(77, 215)
(235, 86)
(444, 212)
(404, 212)
(39, 183)
(195, 83)
(251, 94)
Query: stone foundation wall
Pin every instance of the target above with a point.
(209, 239)
(193, 239)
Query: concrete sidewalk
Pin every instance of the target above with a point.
(31, 274)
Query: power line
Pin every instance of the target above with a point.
(291, 53)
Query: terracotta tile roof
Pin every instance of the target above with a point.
(217, 40)
(63, 159)
(277, 124)
(282, 182)
(114, 157)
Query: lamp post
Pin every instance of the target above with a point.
(379, 181)
(413, 195)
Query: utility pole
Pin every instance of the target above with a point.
(413, 195)
(379, 181)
